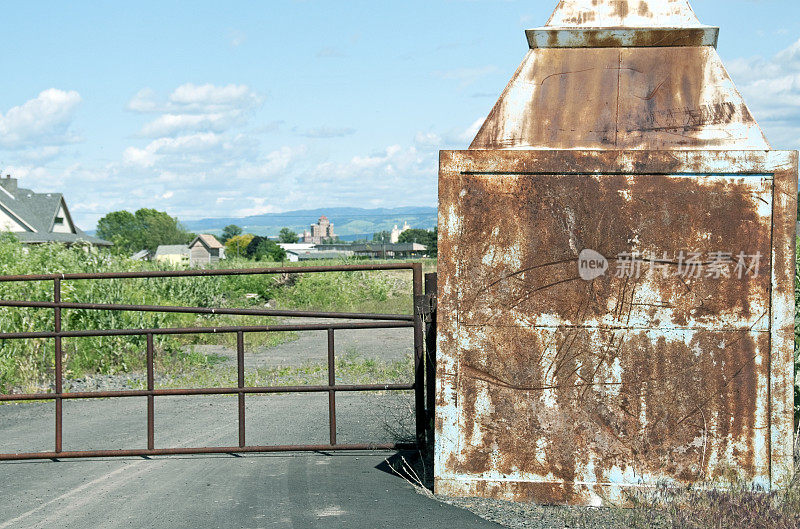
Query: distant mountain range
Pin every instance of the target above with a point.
(348, 223)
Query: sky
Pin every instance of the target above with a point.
(216, 109)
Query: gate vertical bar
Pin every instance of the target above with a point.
(58, 355)
(240, 368)
(430, 356)
(331, 392)
(151, 438)
(419, 373)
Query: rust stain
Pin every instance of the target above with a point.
(626, 137)
(563, 390)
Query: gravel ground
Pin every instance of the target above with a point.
(529, 516)
(312, 346)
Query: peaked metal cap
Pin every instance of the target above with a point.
(622, 23)
(621, 74)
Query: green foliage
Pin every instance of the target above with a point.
(382, 236)
(349, 292)
(427, 237)
(288, 236)
(236, 246)
(264, 249)
(145, 229)
(230, 231)
(28, 365)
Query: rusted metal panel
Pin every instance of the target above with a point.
(559, 387)
(624, 13)
(621, 37)
(782, 319)
(621, 98)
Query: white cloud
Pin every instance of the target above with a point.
(208, 96)
(273, 164)
(195, 143)
(42, 121)
(469, 134)
(428, 138)
(168, 124)
(195, 108)
(466, 76)
(143, 101)
(327, 132)
(771, 88)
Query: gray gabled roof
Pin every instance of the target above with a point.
(172, 249)
(37, 213)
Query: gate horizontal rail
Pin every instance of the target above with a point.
(206, 310)
(380, 321)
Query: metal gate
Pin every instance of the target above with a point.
(370, 321)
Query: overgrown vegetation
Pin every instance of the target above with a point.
(27, 365)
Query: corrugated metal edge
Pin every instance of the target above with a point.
(782, 317)
(547, 37)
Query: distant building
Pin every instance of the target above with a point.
(378, 250)
(173, 254)
(36, 218)
(205, 249)
(395, 236)
(297, 246)
(142, 255)
(294, 256)
(320, 232)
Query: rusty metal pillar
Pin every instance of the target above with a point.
(616, 247)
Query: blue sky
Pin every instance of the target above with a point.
(208, 109)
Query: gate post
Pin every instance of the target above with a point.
(430, 356)
(419, 357)
(58, 359)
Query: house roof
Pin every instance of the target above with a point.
(208, 240)
(172, 249)
(37, 212)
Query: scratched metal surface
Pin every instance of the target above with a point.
(622, 13)
(621, 98)
(556, 389)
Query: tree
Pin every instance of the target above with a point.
(230, 231)
(236, 246)
(145, 229)
(427, 237)
(287, 236)
(382, 236)
(264, 249)
(120, 228)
